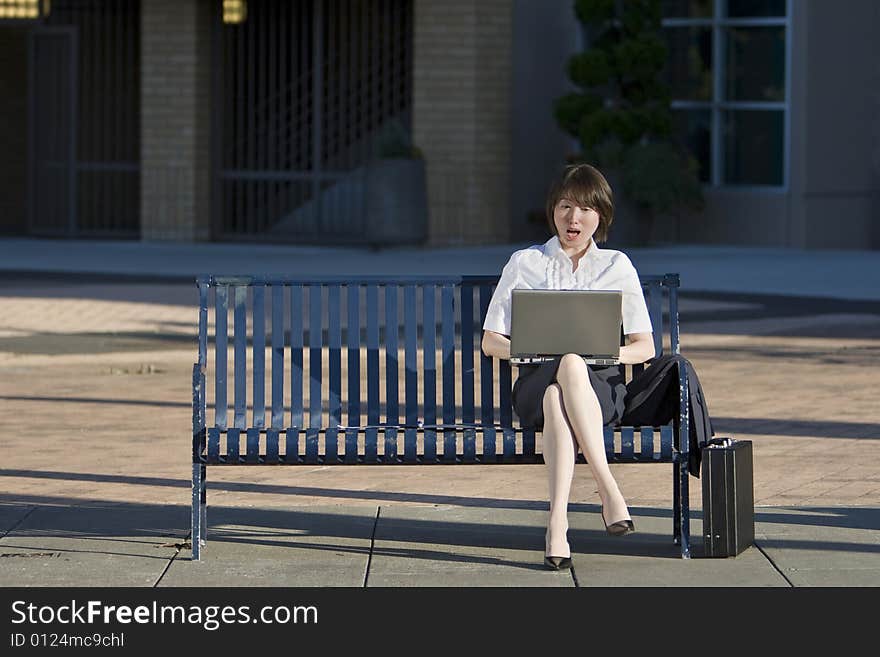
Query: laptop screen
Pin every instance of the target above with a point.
(557, 322)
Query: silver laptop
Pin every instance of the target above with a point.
(545, 324)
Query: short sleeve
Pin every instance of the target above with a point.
(498, 313)
(635, 311)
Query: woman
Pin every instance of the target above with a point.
(566, 399)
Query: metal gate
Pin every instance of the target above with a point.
(302, 89)
(85, 127)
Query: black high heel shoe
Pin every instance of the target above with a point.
(558, 563)
(619, 528)
(555, 563)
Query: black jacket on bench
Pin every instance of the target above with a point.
(652, 399)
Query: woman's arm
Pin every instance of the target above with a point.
(639, 348)
(497, 345)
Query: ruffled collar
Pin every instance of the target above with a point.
(553, 249)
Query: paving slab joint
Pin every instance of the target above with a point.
(372, 545)
(773, 563)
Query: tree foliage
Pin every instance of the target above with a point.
(621, 113)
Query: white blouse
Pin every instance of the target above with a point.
(546, 266)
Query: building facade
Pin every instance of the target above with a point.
(388, 122)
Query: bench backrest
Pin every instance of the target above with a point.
(353, 358)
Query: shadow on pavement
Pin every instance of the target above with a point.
(46, 516)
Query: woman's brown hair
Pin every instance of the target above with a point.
(585, 185)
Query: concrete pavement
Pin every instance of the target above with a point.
(94, 367)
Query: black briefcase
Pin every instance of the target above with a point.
(728, 497)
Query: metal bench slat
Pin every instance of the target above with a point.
(529, 446)
(671, 282)
(429, 369)
(272, 445)
(253, 446)
(331, 446)
(371, 437)
(259, 356)
(411, 375)
(203, 353)
(334, 335)
(392, 374)
(655, 311)
(487, 377)
(221, 316)
(240, 356)
(277, 420)
(352, 322)
(627, 443)
(666, 443)
(233, 435)
(647, 449)
(660, 326)
(291, 446)
(506, 410)
(466, 296)
(447, 319)
(296, 356)
(213, 445)
(291, 436)
(433, 279)
(315, 373)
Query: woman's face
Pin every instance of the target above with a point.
(575, 224)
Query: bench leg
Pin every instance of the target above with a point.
(676, 503)
(681, 530)
(203, 507)
(199, 533)
(681, 512)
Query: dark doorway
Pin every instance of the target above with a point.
(84, 127)
(52, 136)
(13, 128)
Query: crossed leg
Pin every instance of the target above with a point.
(559, 456)
(573, 418)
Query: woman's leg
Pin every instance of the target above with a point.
(559, 455)
(584, 415)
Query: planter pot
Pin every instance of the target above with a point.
(395, 202)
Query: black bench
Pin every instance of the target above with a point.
(340, 352)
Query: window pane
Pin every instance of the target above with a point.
(756, 63)
(687, 8)
(689, 64)
(755, 8)
(693, 130)
(753, 143)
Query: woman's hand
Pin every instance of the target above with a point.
(639, 347)
(497, 345)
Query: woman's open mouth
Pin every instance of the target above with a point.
(572, 233)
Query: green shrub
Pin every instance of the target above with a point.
(621, 113)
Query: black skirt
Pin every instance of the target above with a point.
(528, 392)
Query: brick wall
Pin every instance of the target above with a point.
(175, 119)
(462, 116)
